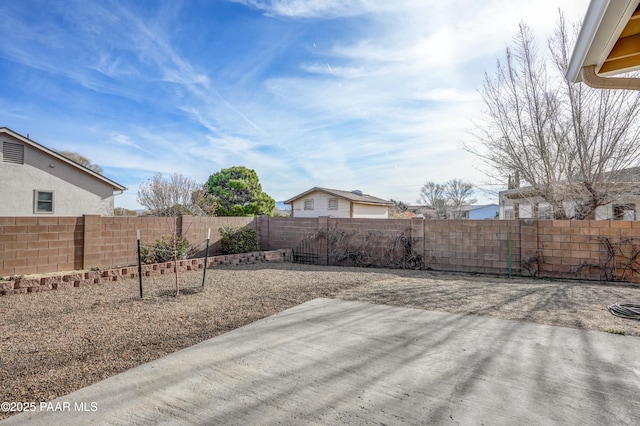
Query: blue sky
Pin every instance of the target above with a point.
(375, 95)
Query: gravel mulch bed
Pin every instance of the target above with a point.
(53, 343)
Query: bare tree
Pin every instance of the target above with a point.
(172, 197)
(203, 203)
(168, 197)
(458, 194)
(573, 145)
(432, 194)
(447, 199)
(399, 210)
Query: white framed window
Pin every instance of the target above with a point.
(308, 204)
(333, 204)
(509, 214)
(42, 201)
(624, 211)
(544, 212)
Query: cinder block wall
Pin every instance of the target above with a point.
(31, 245)
(111, 241)
(118, 235)
(292, 233)
(560, 249)
(473, 245)
(35, 245)
(287, 232)
(195, 229)
(378, 235)
(581, 249)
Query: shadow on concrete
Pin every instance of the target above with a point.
(335, 362)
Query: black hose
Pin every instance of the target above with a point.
(625, 311)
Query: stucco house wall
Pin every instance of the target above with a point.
(320, 202)
(537, 208)
(75, 191)
(364, 211)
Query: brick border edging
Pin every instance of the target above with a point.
(72, 279)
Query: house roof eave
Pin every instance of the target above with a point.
(592, 19)
(116, 186)
(344, 195)
(606, 25)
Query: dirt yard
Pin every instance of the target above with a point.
(53, 343)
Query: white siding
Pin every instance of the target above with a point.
(604, 212)
(75, 192)
(365, 211)
(525, 211)
(320, 206)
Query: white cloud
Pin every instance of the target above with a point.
(319, 8)
(409, 84)
(380, 102)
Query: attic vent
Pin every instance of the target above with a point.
(12, 153)
(357, 192)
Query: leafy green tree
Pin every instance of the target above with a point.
(238, 192)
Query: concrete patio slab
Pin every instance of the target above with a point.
(336, 362)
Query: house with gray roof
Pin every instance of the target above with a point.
(37, 181)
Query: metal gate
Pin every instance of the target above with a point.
(307, 252)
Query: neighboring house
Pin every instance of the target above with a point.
(38, 181)
(524, 203)
(484, 211)
(474, 211)
(318, 202)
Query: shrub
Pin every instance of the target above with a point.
(162, 250)
(238, 240)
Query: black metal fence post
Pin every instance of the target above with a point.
(139, 263)
(206, 255)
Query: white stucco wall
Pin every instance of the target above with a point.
(525, 211)
(365, 211)
(604, 212)
(607, 212)
(75, 192)
(320, 206)
(601, 213)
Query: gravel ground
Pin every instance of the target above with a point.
(53, 343)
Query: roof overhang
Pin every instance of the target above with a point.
(116, 186)
(356, 199)
(608, 45)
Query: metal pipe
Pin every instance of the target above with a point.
(509, 249)
(592, 79)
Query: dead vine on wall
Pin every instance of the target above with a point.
(363, 249)
(532, 264)
(622, 259)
